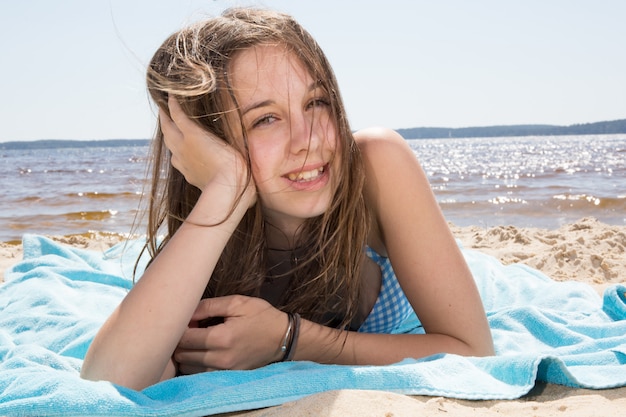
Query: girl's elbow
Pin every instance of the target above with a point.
(124, 379)
(483, 347)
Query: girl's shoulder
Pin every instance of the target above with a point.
(383, 148)
(377, 136)
(386, 154)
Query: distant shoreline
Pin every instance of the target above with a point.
(65, 143)
(597, 128)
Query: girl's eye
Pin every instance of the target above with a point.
(318, 102)
(264, 120)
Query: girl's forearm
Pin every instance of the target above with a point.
(327, 345)
(135, 344)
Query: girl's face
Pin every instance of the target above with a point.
(291, 134)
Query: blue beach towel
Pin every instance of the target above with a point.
(54, 301)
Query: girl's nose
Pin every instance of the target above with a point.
(306, 133)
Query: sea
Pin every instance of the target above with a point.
(530, 181)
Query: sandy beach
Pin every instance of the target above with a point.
(587, 251)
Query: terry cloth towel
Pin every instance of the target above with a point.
(54, 301)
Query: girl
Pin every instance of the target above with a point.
(288, 237)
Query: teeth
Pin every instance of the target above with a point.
(306, 175)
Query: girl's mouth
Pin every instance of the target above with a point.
(307, 176)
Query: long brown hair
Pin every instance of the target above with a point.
(193, 65)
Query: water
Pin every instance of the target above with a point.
(70, 190)
(525, 181)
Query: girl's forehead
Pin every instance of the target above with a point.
(267, 67)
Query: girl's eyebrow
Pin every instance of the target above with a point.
(257, 105)
(313, 86)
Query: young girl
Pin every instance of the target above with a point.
(288, 237)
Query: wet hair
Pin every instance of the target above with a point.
(193, 66)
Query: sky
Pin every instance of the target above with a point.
(74, 69)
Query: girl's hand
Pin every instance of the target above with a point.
(250, 336)
(200, 156)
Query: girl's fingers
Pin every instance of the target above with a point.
(181, 120)
(176, 112)
(193, 361)
(227, 306)
(206, 348)
(200, 338)
(247, 338)
(166, 122)
(169, 129)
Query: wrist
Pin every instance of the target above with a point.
(220, 203)
(283, 333)
(290, 341)
(235, 185)
(323, 344)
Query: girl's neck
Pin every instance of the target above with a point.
(278, 238)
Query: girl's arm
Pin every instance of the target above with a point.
(426, 259)
(135, 345)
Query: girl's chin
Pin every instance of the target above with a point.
(293, 214)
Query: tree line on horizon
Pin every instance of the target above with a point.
(597, 128)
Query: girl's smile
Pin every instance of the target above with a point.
(309, 179)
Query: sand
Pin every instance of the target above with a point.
(587, 251)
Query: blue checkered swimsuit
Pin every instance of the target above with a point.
(392, 307)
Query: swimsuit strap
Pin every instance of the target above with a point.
(391, 307)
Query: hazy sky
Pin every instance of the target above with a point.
(74, 69)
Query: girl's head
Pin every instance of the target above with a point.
(208, 68)
(195, 65)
